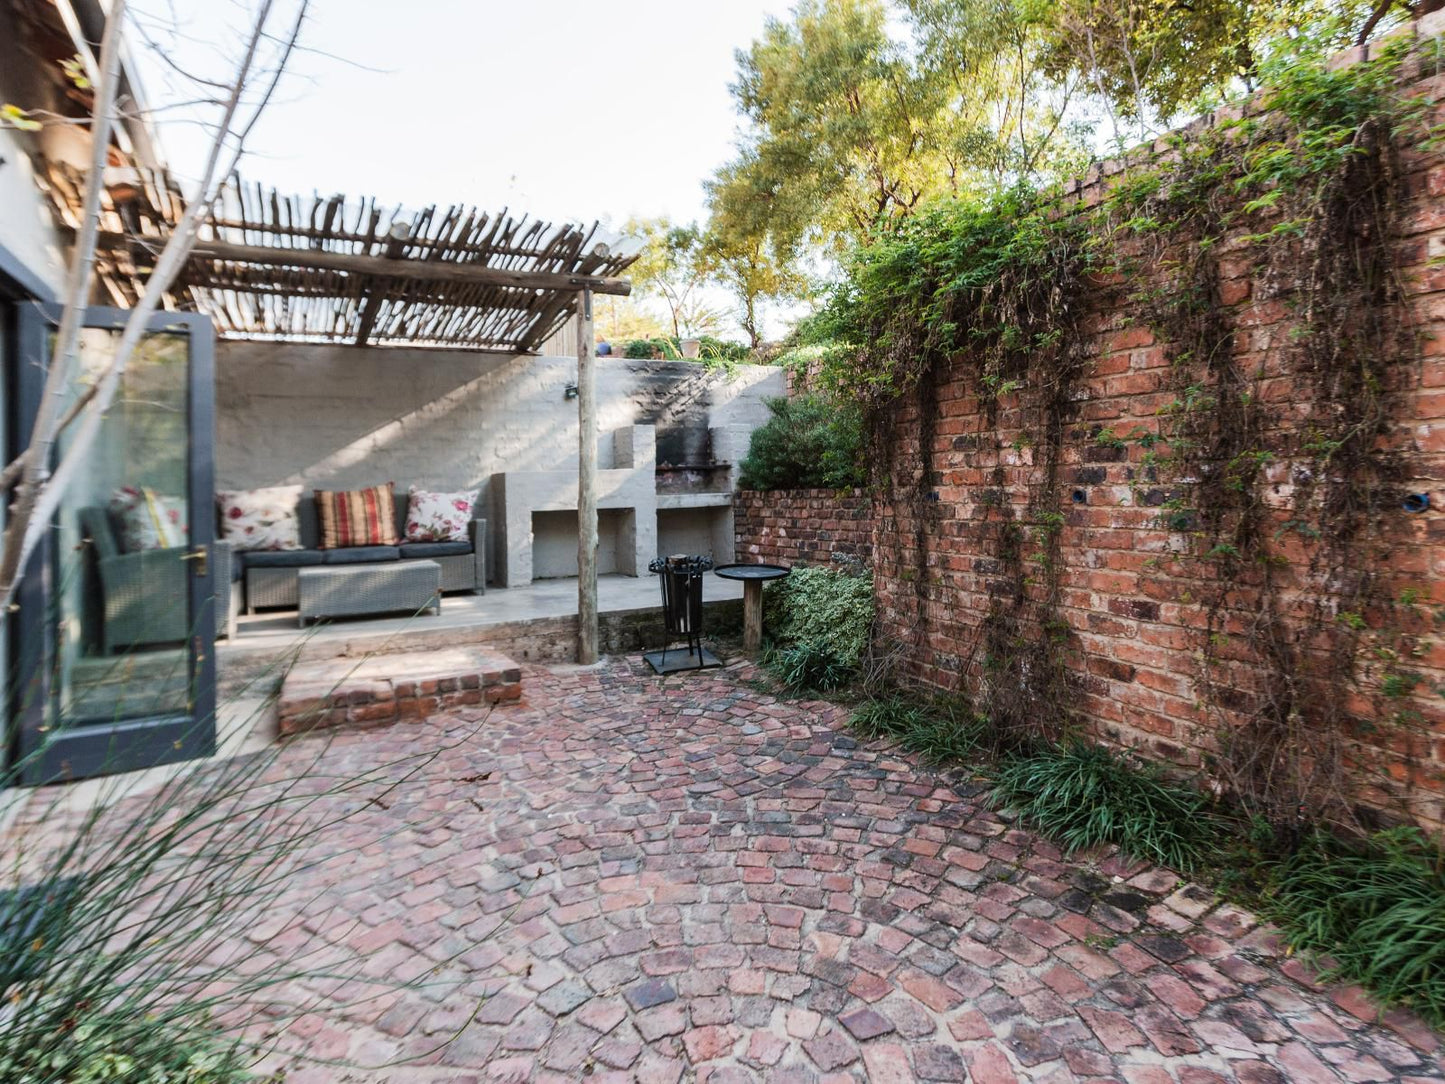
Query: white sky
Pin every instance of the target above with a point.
(560, 108)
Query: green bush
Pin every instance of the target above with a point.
(824, 607)
(1377, 909)
(711, 351)
(809, 443)
(1083, 795)
(941, 729)
(129, 1050)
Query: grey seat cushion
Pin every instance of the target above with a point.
(435, 549)
(356, 555)
(280, 558)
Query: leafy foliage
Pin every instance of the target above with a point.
(818, 605)
(1084, 795)
(1377, 909)
(673, 268)
(940, 729)
(1148, 62)
(124, 1051)
(711, 350)
(810, 442)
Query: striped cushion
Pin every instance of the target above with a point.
(357, 517)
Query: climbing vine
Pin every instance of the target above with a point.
(1000, 284)
(1274, 469)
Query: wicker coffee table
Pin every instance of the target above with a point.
(365, 589)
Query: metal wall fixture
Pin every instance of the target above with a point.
(1079, 496)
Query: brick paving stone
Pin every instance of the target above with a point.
(865, 1024)
(831, 1051)
(674, 880)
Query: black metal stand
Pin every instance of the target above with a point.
(681, 579)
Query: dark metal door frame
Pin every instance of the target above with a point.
(103, 748)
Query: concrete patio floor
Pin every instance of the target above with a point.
(277, 629)
(628, 878)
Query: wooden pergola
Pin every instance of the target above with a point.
(329, 270)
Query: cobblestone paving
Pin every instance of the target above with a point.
(631, 879)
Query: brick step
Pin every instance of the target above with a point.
(389, 688)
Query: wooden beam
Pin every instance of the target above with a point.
(586, 483)
(420, 270)
(395, 245)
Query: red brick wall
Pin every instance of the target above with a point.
(1134, 605)
(790, 525)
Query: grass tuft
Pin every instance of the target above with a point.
(1084, 795)
(940, 729)
(1377, 908)
(809, 667)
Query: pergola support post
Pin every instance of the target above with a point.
(586, 482)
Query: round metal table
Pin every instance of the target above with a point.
(753, 578)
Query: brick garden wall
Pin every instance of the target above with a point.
(792, 525)
(1132, 602)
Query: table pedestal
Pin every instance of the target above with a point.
(752, 615)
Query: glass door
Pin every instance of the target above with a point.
(116, 667)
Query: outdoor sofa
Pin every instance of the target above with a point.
(270, 576)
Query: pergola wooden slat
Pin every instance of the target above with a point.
(325, 270)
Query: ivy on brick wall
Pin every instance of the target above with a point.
(1276, 464)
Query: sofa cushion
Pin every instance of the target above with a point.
(280, 558)
(435, 549)
(147, 520)
(260, 519)
(438, 517)
(356, 555)
(356, 517)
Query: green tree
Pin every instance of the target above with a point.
(741, 256)
(674, 268)
(851, 127)
(1150, 63)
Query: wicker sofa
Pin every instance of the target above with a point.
(269, 576)
(142, 595)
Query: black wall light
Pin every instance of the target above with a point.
(570, 392)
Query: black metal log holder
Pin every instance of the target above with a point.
(681, 578)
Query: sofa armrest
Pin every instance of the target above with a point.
(477, 531)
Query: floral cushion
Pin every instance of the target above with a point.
(438, 517)
(147, 520)
(260, 519)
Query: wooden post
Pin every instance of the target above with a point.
(586, 483)
(752, 616)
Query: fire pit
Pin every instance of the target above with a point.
(681, 579)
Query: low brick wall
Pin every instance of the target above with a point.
(394, 688)
(784, 526)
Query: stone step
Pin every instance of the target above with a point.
(383, 689)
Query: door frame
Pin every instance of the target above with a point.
(105, 748)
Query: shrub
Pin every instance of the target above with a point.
(819, 622)
(711, 351)
(809, 443)
(1377, 908)
(1082, 795)
(820, 606)
(940, 729)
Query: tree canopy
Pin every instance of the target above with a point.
(859, 112)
